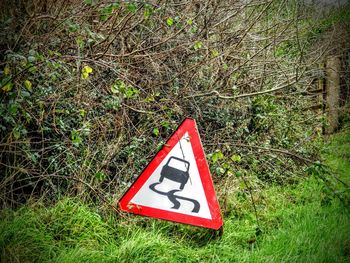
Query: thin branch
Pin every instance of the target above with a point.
(218, 95)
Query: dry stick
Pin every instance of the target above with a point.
(195, 66)
(282, 151)
(230, 16)
(217, 94)
(275, 150)
(258, 52)
(306, 160)
(255, 21)
(136, 110)
(99, 55)
(167, 51)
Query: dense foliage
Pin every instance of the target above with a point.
(91, 89)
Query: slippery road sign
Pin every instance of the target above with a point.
(176, 185)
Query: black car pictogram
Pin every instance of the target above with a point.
(175, 174)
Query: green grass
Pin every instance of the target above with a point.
(299, 223)
(337, 154)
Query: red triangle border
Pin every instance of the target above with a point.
(188, 125)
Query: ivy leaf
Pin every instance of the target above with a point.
(147, 12)
(76, 138)
(7, 87)
(217, 155)
(238, 174)
(85, 72)
(7, 71)
(100, 176)
(156, 131)
(28, 85)
(131, 7)
(170, 21)
(13, 108)
(82, 113)
(189, 22)
(215, 53)
(16, 132)
(198, 45)
(236, 158)
(131, 92)
(219, 170)
(114, 89)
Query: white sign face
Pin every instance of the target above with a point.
(176, 185)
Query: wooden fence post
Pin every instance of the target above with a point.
(333, 67)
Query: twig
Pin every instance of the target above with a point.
(139, 111)
(282, 151)
(218, 95)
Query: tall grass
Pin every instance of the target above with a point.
(303, 229)
(297, 223)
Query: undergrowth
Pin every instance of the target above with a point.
(89, 90)
(303, 222)
(298, 226)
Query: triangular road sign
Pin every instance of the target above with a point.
(176, 185)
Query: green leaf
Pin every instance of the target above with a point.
(156, 131)
(116, 5)
(131, 7)
(114, 89)
(160, 145)
(7, 70)
(72, 27)
(236, 158)
(28, 85)
(170, 21)
(7, 87)
(82, 112)
(100, 176)
(165, 124)
(85, 72)
(217, 155)
(107, 10)
(198, 45)
(76, 138)
(214, 53)
(25, 93)
(13, 108)
(189, 22)
(16, 133)
(220, 170)
(31, 59)
(147, 12)
(238, 174)
(131, 92)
